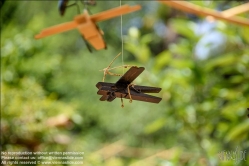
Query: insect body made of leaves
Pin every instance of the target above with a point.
(124, 88)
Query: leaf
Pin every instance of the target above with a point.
(232, 110)
(162, 60)
(155, 126)
(223, 60)
(238, 132)
(245, 32)
(183, 27)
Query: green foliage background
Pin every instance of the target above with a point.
(48, 93)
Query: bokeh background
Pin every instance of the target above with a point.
(49, 101)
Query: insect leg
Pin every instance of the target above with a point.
(129, 92)
(122, 102)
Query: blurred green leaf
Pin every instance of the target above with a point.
(183, 27)
(238, 132)
(155, 126)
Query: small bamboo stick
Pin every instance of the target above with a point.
(192, 8)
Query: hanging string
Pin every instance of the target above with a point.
(122, 41)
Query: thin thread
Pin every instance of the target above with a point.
(122, 41)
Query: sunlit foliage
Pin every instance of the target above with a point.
(48, 93)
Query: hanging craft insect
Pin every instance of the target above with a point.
(86, 24)
(63, 4)
(124, 88)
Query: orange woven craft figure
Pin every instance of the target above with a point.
(86, 24)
